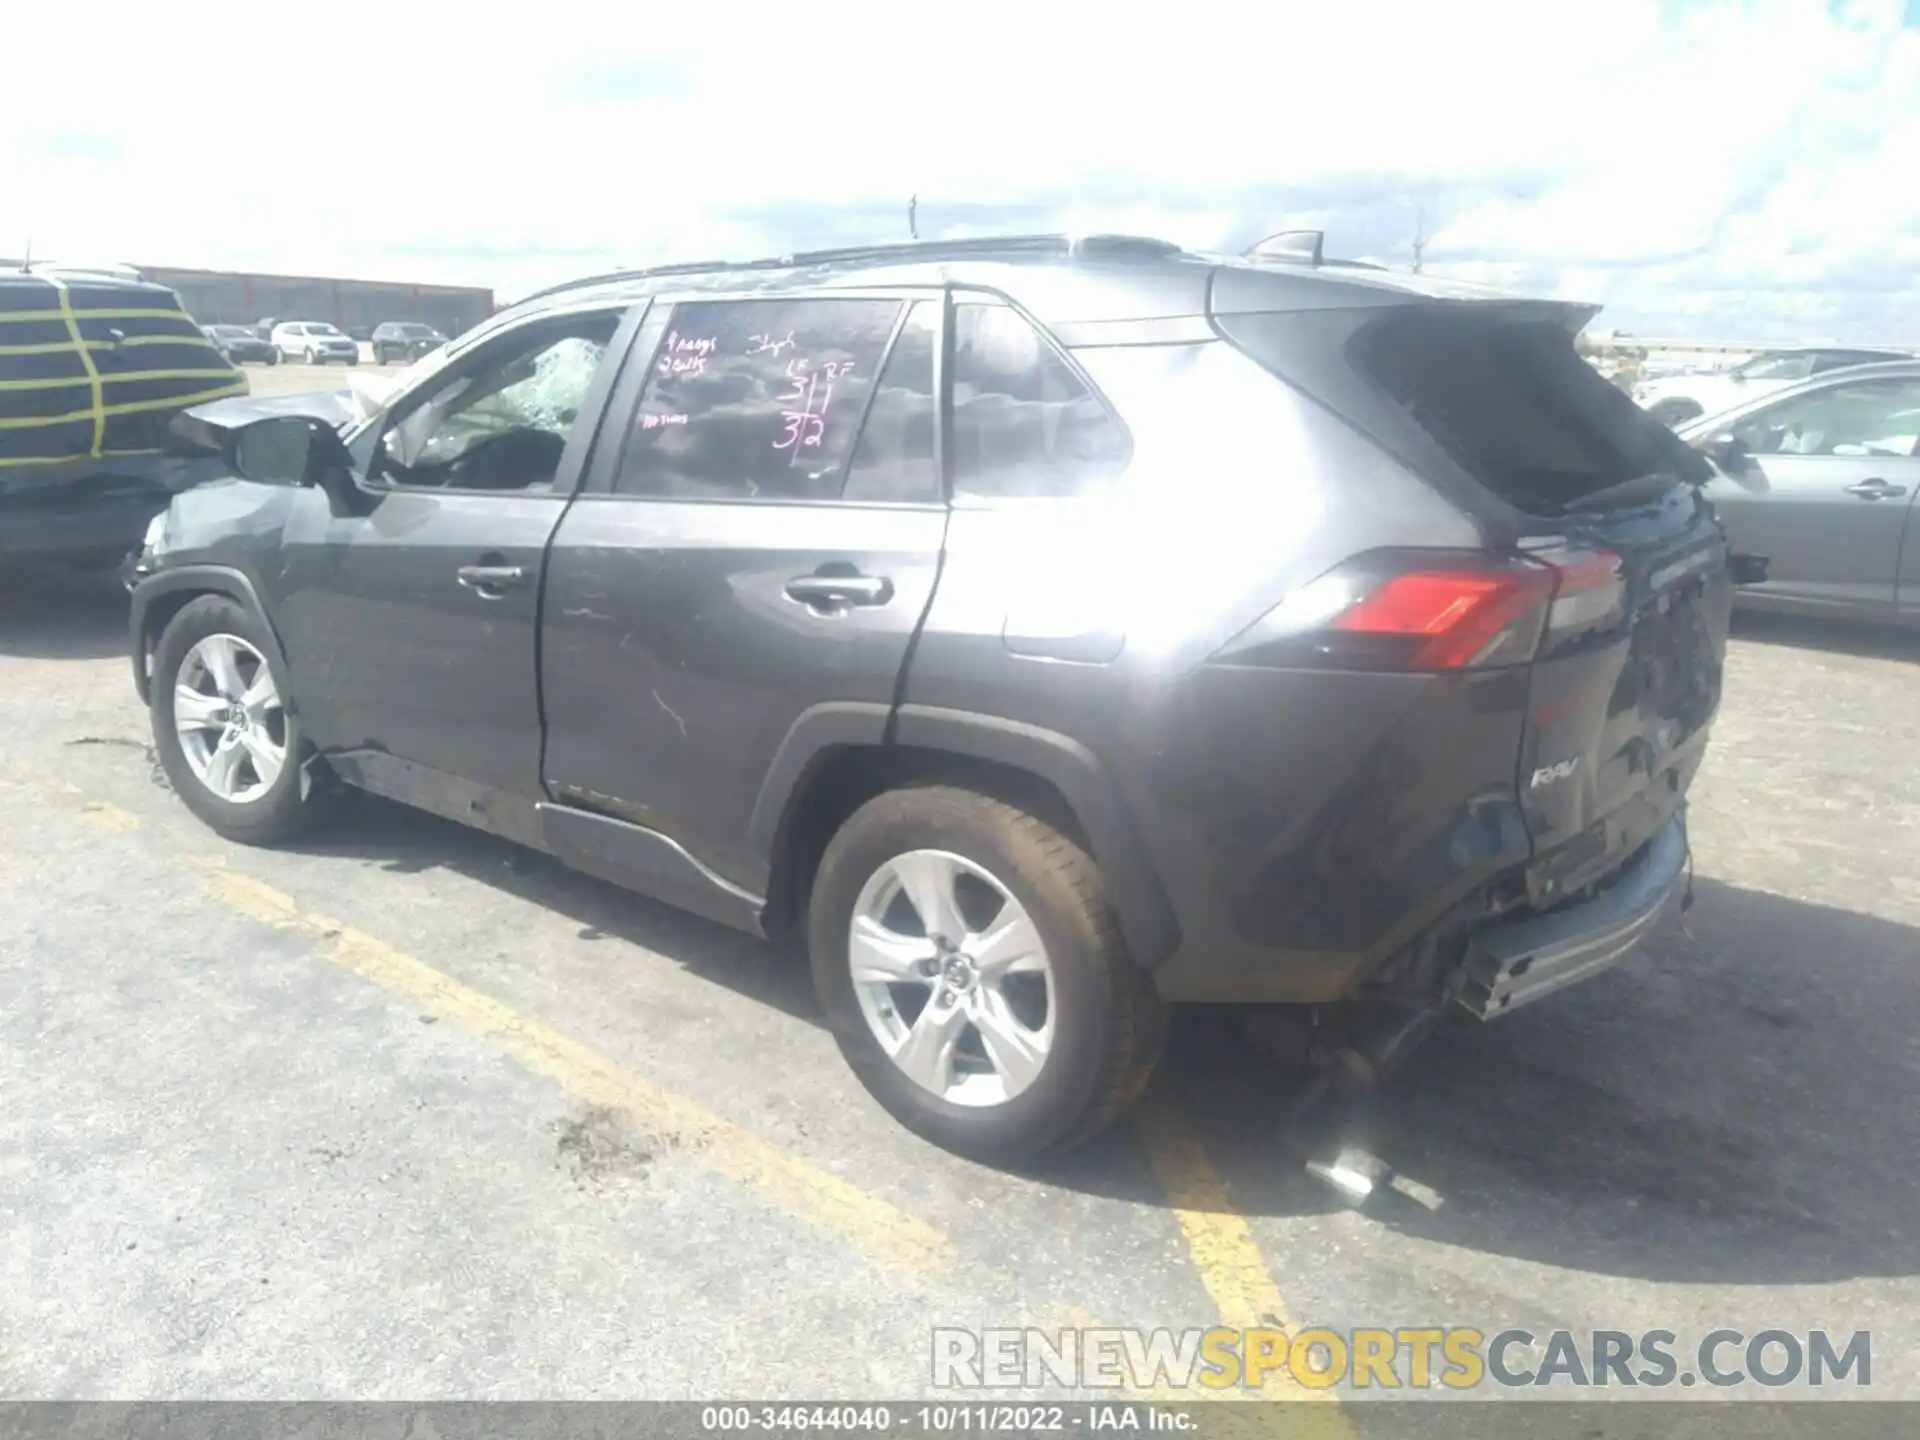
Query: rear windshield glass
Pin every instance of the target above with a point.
(1509, 400)
(1516, 405)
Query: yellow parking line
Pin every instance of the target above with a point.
(109, 816)
(1220, 1243)
(876, 1228)
(1222, 1250)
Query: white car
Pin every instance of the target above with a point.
(314, 342)
(1677, 399)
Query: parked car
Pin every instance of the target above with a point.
(1821, 479)
(83, 462)
(238, 344)
(397, 341)
(1677, 399)
(314, 342)
(1049, 632)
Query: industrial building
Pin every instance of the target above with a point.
(356, 306)
(231, 297)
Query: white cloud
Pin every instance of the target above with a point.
(1739, 168)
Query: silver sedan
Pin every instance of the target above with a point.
(1821, 478)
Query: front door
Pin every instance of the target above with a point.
(1824, 490)
(410, 625)
(763, 542)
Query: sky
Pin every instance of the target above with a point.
(1706, 169)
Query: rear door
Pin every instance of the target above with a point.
(738, 560)
(1823, 490)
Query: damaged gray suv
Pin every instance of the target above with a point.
(1046, 632)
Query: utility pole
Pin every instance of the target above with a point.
(913, 221)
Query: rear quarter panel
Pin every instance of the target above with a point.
(1093, 618)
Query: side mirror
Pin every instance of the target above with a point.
(1727, 451)
(286, 450)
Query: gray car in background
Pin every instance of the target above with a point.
(1821, 479)
(1042, 632)
(239, 343)
(399, 341)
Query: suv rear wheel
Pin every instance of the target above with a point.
(231, 748)
(967, 958)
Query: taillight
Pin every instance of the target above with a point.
(1591, 594)
(1431, 611)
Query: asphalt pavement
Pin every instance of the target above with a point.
(403, 1112)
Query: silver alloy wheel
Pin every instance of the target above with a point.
(952, 977)
(232, 726)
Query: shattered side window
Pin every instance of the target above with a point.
(503, 423)
(549, 398)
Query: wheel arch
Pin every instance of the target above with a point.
(837, 757)
(159, 597)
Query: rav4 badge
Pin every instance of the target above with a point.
(1547, 774)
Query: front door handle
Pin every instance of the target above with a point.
(828, 592)
(1876, 489)
(491, 581)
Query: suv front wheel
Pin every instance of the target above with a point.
(229, 744)
(967, 958)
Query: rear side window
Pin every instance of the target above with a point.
(755, 399)
(896, 459)
(1024, 422)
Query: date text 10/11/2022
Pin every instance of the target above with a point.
(944, 1419)
(804, 404)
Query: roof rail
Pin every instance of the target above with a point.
(54, 267)
(1091, 246)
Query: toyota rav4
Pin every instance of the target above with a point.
(1045, 632)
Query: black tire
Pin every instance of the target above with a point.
(296, 800)
(1108, 1023)
(273, 357)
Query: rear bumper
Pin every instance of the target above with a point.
(1512, 964)
(93, 526)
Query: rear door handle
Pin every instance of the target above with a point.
(491, 580)
(829, 591)
(1876, 489)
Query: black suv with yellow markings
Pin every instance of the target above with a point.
(93, 368)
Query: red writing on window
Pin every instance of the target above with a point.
(806, 402)
(685, 354)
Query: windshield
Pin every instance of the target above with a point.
(1776, 367)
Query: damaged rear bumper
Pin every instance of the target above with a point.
(1512, 964)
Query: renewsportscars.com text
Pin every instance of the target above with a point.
(1456, 1358)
